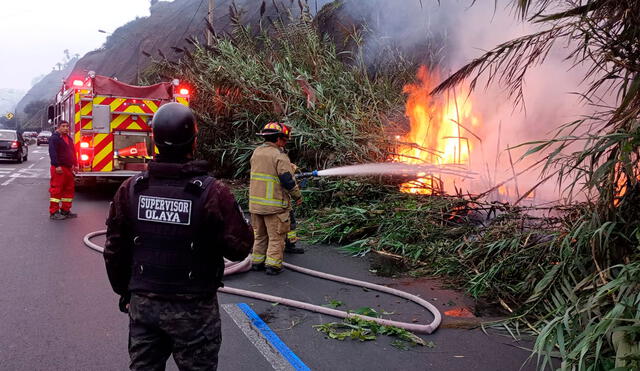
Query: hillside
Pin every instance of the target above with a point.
(129, 50)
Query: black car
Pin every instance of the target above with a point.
(12, 146)
(43, 137)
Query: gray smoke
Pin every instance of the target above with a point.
(449, 35)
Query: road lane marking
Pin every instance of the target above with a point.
(30, 166)
(6, 171)
(8, 181)
(41, 158)
(264, 339)
(27, 173)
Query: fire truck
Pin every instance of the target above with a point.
(110, 122)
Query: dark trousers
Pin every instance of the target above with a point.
(190, 330)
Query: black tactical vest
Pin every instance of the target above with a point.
(172, 253)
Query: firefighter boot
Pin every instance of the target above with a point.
(68, 214)
(291, 248)
(57, 216)
(257, 267)
(273, 271)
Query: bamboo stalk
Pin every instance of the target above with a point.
(513, 171)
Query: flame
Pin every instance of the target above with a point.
(436, 135)
(622, 183)
(502, 191)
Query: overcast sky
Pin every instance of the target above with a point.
(34, 33)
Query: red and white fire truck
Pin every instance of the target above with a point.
(110, 122)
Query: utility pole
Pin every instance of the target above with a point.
(210, 18)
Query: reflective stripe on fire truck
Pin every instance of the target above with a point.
(76, 118)
(132, 114)
(183, 100)
(103, 152)
(139, 157)
(124, 110)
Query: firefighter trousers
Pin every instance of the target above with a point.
(270, 232)
(292, 235)
(61, 190)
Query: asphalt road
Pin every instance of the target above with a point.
(58, 311)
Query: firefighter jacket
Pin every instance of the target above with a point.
(272, 185)
(61, 153)
(168, 230)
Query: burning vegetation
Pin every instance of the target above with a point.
(438, 134)
(566, 274)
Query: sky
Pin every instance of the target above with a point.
(34, 33)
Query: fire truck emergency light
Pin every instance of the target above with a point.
(84, 145)
(184, 91)
(78, 83)
(84, 158)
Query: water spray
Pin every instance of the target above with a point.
(391, 168)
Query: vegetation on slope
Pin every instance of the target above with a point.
(574, 280)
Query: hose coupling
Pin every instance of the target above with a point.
(308, 174)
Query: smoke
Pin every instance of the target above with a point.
(448, 35)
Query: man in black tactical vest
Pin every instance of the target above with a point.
(167, 233)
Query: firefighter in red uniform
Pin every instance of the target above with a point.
(63, 163)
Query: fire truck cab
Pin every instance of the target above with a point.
(110, 122)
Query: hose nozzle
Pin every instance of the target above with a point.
(307, 174)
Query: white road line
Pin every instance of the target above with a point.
(5, 171)
(8, 181)
(27, 173)
(277, 361)
(30, 166)
(41, 158)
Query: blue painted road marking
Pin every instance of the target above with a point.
(273, 338)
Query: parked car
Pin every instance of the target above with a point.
(43, 137)
(30, 136)
(12, 146)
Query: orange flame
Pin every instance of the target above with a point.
(436, 135)
(502, 191)
(622, 182)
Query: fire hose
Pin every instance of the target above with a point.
(245, 265)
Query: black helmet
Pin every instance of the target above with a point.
(174, 129)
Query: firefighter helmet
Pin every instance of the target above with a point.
(174, 128)
(275, 128)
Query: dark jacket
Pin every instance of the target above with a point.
(223, 218)
(60, 153)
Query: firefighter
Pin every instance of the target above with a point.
(292, 236)
(63, 163)
(167, 233)
(271, 189)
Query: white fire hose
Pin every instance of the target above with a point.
(245, 265)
